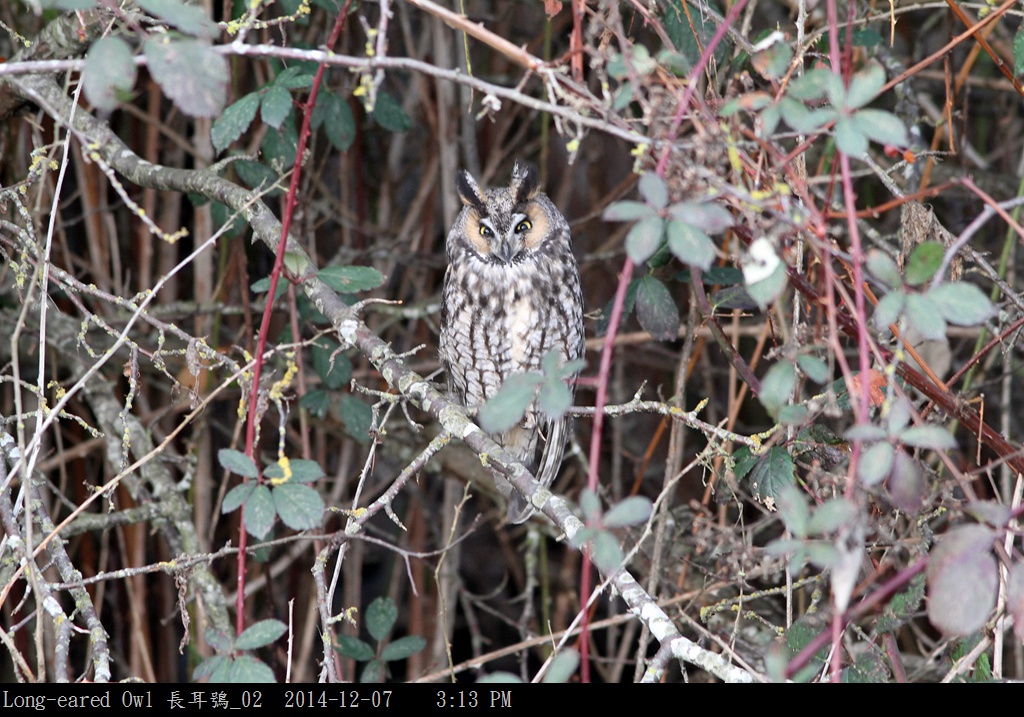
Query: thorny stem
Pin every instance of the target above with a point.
(608, 350)
(286, 221)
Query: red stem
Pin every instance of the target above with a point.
(613, 326)
(261, 341)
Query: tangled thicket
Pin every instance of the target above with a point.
(794, 453)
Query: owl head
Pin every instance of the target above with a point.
(507, 225)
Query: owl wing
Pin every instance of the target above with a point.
(549, 439)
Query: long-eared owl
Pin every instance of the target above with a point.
(511, 295)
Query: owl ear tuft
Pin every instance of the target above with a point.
(469, 191)
(525, 183)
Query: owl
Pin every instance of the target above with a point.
(511, 295)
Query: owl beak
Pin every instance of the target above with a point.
(507, 252)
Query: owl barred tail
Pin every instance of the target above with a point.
(511, 295)
(549, 441)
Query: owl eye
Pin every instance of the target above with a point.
(485, 231)
(524, 226)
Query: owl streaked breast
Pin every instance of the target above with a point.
(511, 295)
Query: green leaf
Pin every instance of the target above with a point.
(814, 367)
(849, 139)
(190, 73)
(882, 127)
(875, 463)
(656, 310)
(190, 19)
(675, 63)
(832, 515)
(690, 245)
(357, 417)
(1018, 52)
(627, 308)
(306, 471)
(355, 648)
(607, 554)
(866, 37)
(793, 414)
(554, 399)
(813, 85)
(351, 279)
(689, 32)
(716, 275)
(770, 117)
(748, 102)
(403, 648)
(802, 119)
(963, 580)
(221, 673)
(590, 504)
(1015, 597)
(733, 297)
(276, 105)
(865, 432)
(822, 554)
(898, 415)
(777, 387)
(280, 145)
(300, 507)
(246, 668)
(237, 462)
(295, 77)
(627, 211)
(233, 222)
(883, 268)
(507, 406)
(990, 512)
(961, 303)
(563, 667)
(924, 261)
(706, 216)
(217, 664)
(790, 546)
(380, 617)
(236, 497)
(109, 73)
(902, 608)
(630, 511)
(260, 634)
(317, 402)
(68, 4)
(388, 113)
(933, 437)
(644, 238)
(773, 61)
(219, 640)
(258, 514)
(889, 309)
(258, 174)
(744, 460)
(906, 485)
(374, 672)
(865, 86)
(335, 115)
(772, 473)
(793, 510)
(922, 314)
(653, 190)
